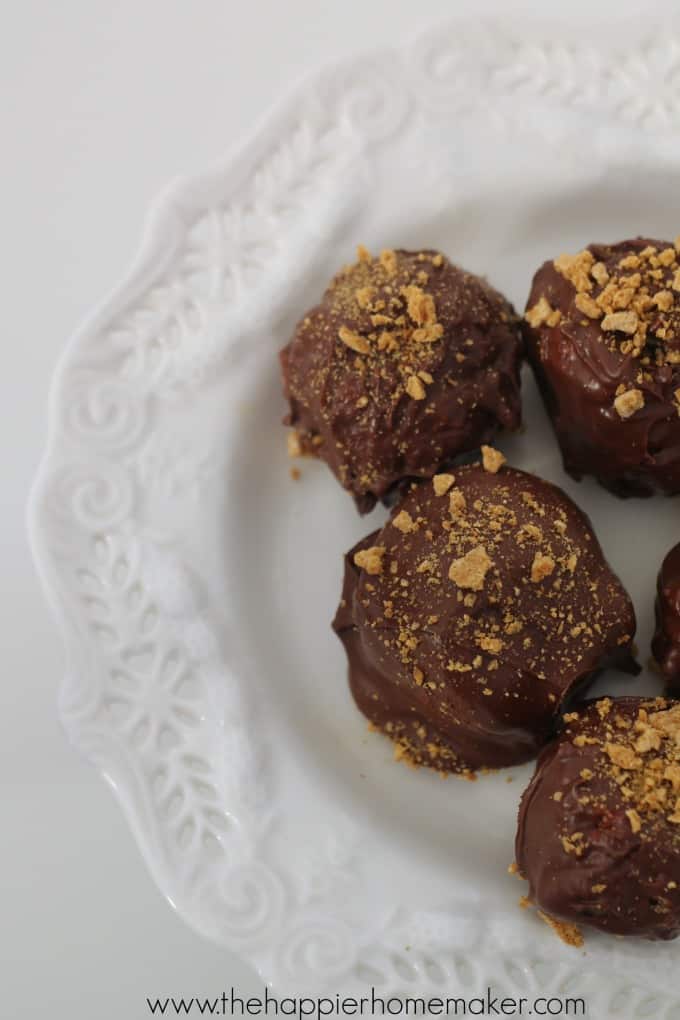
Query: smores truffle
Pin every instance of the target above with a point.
(599, 825)
(603, 336)
(407, 362)
(666, 642)
(474, 613)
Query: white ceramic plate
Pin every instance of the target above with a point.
(195, 582)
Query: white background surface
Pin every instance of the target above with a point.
(100, 104)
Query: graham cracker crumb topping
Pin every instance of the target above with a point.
(442, 483)
(633, 297)
(622, 756)
(457, 502)
(455, 602)
(624, 322)
(355, 341)
(470, 570)
(388, 260)
(576, 269)
(370, 560)
(404, 522)
(384, 344)
(569, 933)
(542, 567)
(388, 316)
(634, 819)
(542, 313)
(364, 296)
(419, 305)
(636, 763)
(585, 304)
(415, 388)
(628, 402)
(492, 460)
(294, 445)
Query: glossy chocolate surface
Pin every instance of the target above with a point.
(428, 369)
(473, 614)
(666, 643)
(599, 828)
(582, 368)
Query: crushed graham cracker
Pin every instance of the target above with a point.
(621, 322)
(354, 341)
(388, 260)
(599, 273)
(634, 819)
(576, 269)
(542, 313)
(442, 483)
(294, 445)
(568, 933)
(364, 296)
(415, 388)
(370, 559)
(585, 304)
(428, 334)
(623, 756)
(387, 316)
(404, 522)
(457, 502)
(492, 460)
(637, 754)
(419, 305)
(633, 297)
(628, 403)
(470, 570)
(542, 567)
(490, 644)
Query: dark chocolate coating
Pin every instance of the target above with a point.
(666, 642)
(353, 410)
(463, 678)
(579, 374)
(606, 874)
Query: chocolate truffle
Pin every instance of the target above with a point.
(474, 613)
(407, 362)
(603, 336)
(599, 825)
(666, 642)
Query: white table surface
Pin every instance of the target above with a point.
(100, 104)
